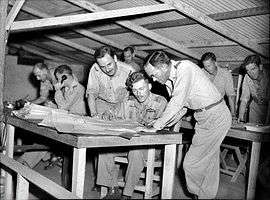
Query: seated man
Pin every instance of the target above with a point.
(144, 108)
(69, 94)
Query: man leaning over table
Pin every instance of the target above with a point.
(46, 93)
(190, 88)
(143, 107)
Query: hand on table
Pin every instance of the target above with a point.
(145, 129)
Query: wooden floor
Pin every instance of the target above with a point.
(227, 189)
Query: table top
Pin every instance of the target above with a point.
(93, 141)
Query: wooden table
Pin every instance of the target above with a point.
(81, 142)
(256, 138)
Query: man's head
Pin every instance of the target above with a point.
(138, 83)
(251, 65)
(41, 71)
(63, 75)
(128, 54)
(158, 67)
(209, 62)
(106, 60)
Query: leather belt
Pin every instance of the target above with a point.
(208, 107)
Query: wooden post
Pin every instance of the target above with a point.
(3, 16)
(22, 189)
(78, 171)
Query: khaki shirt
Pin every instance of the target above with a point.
(72, 99)
(47, 86)
(109, 89)
(147, 111)
(190, 88)
(258, 90)
(223, 81)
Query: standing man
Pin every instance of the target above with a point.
(189, 87)
(143, 107)
(255, 86)
(69, 94)
(129, 54)
(47, 80)
(221, 78)
(106, 82)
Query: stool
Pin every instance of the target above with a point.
(241, 159)
(148, 176)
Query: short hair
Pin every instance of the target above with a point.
(129, 48)
(41, 66)
(158, 57)
(135, 77)
(252, 59)
(63, 69)
(208, 56)
(102, 51)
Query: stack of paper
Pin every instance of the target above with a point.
(257, 128)
(34, 111)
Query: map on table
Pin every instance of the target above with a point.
(75, 124)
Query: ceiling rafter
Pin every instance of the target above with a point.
(70, 20)
(216, 26)
(140, 30)
(13, 13)
(249, 12)
(83, 32)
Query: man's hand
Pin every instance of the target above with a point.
(145, 129)
(58, 86)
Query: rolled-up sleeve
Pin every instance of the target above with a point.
(245, 90)
(92, 84)
(181, 93)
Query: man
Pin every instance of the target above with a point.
(106, 82)
(221, 78)
(69, 94)
(129, 55)
(144, 108)
(47, 80)
(255, 86)
(190, 88)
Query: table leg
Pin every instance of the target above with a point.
(78, 171)
(168, 171)
(9, 153)
(253, 170)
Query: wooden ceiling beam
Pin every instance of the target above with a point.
(249, 12)
(216, 26)
(85, 33)
(36, 51)
(140, 30)
(70, 20)
(13, 13)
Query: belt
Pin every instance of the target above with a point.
(208, 107)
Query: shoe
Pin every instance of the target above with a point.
(114, 193)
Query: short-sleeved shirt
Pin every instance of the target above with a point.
(147, 111)
(259, 90)
(72, 99)
(189, 88)
(223, 81)
(110, 89)
(47, 86)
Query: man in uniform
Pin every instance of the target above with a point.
(106, 82)
(190, 88)
(143, 107)
(69, 94)
(255, 86)
(129, 55)
(47, 81)
(221, 78)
